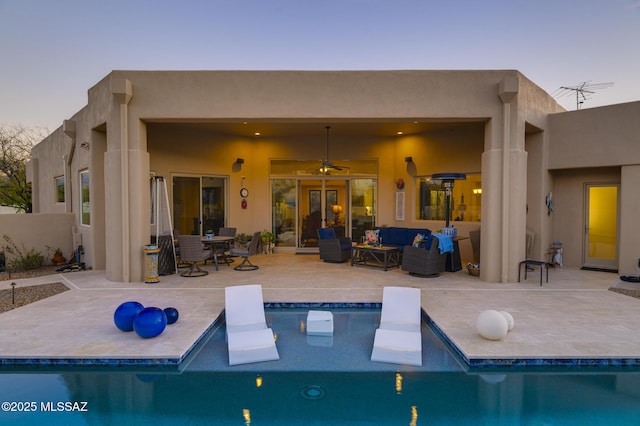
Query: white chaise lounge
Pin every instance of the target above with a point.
(248, 337)
(398, 340)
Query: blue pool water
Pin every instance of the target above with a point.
(321, 381)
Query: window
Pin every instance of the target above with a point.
(59, 185)
(466, 199)
(85, 205)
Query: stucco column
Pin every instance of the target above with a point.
(504, 179)
(629, 230)
(127, 203)
(116, 171)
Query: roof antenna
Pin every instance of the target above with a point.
(580, 90)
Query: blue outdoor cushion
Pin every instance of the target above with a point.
(327, 233)
(397, 236)
(393, 235)
(429, 240)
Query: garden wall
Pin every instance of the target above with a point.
(37, 231)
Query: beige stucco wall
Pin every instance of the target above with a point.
(597, 145)
(172, 149)
(569, 202)
(595, 137)
(124, 107)
(42, 232)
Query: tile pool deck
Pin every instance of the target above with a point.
(574, 317)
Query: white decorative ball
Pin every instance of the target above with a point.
(492, 325)
(509, 318)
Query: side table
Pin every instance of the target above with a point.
(539, 263)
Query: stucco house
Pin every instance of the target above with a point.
(348, 149)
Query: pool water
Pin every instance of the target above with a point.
(324, 381)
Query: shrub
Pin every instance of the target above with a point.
(22, 259)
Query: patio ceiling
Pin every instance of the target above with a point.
(341, 127)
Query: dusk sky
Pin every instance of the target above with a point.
(53, 51)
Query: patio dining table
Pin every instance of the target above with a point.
(220, 244)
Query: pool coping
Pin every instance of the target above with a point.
(471, 363)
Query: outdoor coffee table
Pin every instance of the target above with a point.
(375, 256)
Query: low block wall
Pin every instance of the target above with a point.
(37, 231)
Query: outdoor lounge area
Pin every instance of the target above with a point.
(574, 317)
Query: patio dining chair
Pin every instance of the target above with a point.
(245, 253)
(398, 339)
(224, 251)
(248, 337)
(192, 251)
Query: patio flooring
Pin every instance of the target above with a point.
(574, 317)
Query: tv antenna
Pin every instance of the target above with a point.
(581, 90)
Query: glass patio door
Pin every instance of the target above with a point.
(199, 204)
(362, 207)
(601, 227)
(323, 203)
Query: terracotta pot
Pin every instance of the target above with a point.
(58, 259)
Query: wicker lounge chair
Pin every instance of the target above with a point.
(422, 261)
(333, 249)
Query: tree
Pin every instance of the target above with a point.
(15, 149)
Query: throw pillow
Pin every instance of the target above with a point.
(417, 240)
(371, 236)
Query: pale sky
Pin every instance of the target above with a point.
(53, 51)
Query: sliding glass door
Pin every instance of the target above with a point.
(307, 195)
(199, 204)
(362, 207)
(323, 203)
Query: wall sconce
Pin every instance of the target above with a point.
(240, 161)
(408, 159)
(84, 145)
(477, 191)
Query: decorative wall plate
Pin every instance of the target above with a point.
(244, 192)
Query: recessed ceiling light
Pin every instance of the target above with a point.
(256, 134)
(400, 133)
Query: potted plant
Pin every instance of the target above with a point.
(209, 234)
(242, 240)
(58, 259)
(268, 241)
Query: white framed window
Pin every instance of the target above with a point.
(85, 201)
(466, 199)
(59, 189)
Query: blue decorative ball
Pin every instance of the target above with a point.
(125, 314)
(172, 315)
(150, 322)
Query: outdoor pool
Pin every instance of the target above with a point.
(320, 381)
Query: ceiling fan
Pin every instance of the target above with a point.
(326, 164)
